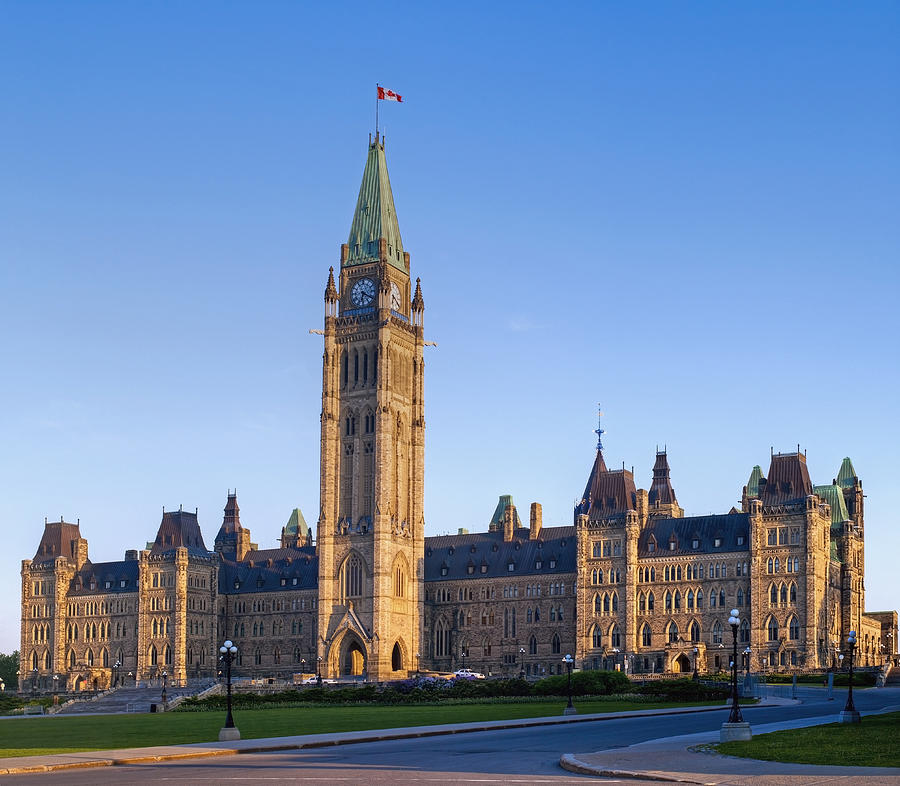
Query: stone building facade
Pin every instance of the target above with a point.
(632, 583)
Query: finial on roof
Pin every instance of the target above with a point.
(599, 431)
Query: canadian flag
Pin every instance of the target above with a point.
(388, 95)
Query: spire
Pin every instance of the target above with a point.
(847, 477)
(753, 484)
(375, 233)
(418, 302)
(661, 492)
(232, 537)
(331, 293)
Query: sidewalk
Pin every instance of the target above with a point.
(109, 758)
(685, 759)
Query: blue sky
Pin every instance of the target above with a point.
(685, 211)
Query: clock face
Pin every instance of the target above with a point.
(363, 292)
(395, 297)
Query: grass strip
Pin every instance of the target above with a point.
(872, 743)
(42, 735)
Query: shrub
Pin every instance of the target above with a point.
(584, 683)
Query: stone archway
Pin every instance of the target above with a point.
(681, 664)
(352, 659)
(396, 658)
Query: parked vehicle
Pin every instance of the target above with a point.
(468, 674)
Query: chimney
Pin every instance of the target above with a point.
(509, 522)
(534, 527)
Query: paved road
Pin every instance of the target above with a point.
(515, 756)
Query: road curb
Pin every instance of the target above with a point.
(346, 739)
(568, 762)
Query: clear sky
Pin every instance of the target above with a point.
(685, 211)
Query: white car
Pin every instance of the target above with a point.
(468, 674)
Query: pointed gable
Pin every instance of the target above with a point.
(375, 218)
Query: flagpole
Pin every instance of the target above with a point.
(376, 110)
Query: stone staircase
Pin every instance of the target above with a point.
(129, 699)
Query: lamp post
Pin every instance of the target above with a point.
(34, 679)
(735, 728)
(19, 680)
(302, 668)
(747, 661)
(165, 677)
(418, 655)
(116, 666)
(55, 688)
(522, 664)
(130, 675)
(229, 731)
(850, 715)
(319, 671)
(696, 672)
(570, 708)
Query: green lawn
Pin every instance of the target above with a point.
(872, 743)
(37, 736)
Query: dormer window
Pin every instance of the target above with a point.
(237, 584)
(484, 567)
(294, 581)
(470, 569)
(740, 540)
(122, 583)
(511, 567)
(538, 565)
(443, 570)
(552, 564)
(651, 545)
(695, 543)
(717, 542)
(108, 585)
(450, 551)
(284, 582)
(673, 545)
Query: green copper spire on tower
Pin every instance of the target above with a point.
(847, 475)
(753, 483)
(375, 219)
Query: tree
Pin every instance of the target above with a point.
(9, 665)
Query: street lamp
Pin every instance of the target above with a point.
(735, 728)
(570, 708)
(850, 715)
(165, 685)
(229, 731)
(34, 679)
(116, 666)
(696, 655)
(55, 687)
(522, 664)
(130, 675)
(417, 663)
(319, 671)
(747, 660)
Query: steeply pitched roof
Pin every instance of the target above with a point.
(607, 493)
(661, 491)
(375, 217)
(787, 481)
(705, 530)
(847, 475)
(60, 539)
(179, 528)
(453, 557)
(296, 525)
(503, 503)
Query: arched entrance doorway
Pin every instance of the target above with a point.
(353, 661)
(396, 658)
(681, 664)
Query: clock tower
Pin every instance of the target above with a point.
(371, 517)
